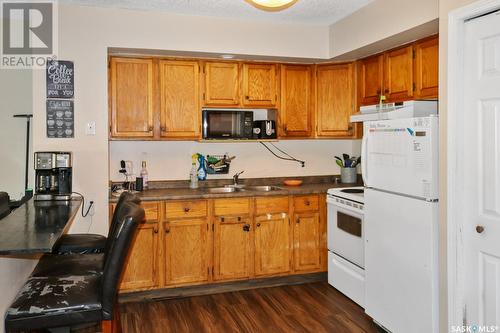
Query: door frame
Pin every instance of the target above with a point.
(455, 171)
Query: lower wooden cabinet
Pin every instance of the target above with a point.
(272, 244)
(307, 242)
(204, 241)
(232, 248)
(142, 264)
(186, 252)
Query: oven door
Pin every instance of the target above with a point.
(346, 232)
(219, 124)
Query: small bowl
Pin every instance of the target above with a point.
(293, 182)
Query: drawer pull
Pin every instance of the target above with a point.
(298, 220)
(239, 218)
(186, 209)
(258, 225)
(222, 219)
(246, 227)
(155, 230)
(307, 203)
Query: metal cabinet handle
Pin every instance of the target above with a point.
(246, 227)
(239, 218)
(167, 229)
(307, 203)
(298, 220)
(155, 230)
(222, 219)
(186, 209)
(150, 128)
(479, 229)
(258, 225)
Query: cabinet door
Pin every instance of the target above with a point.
(370, 75)
(221, 84)
(131, 97)
(398, 74)
(260, 85)
(180, 113)
(141, 268)
(307, 239)
(335, 100)
(427, 68)
(186, 251)
(232, 250)
(296, 107)
(272, 244)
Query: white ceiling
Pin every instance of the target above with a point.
(304, 11)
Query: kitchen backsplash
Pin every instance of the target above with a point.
(172, 160)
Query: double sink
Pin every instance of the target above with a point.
(242, 188)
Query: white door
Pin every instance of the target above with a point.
(481, 163)
(401, 262)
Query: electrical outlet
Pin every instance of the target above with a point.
(90, 129)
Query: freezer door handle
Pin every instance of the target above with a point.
(364, 159)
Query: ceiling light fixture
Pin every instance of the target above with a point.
(271, 5)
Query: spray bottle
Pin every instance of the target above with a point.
(202, 169)
(193, 174)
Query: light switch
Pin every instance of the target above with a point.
(90, 129)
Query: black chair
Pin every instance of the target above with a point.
(91, 243)
(59, 303)
(85, 264)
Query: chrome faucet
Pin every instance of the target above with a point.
(236, 177)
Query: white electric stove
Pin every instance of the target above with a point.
(346, 257)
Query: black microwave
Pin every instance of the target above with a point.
(227, 124)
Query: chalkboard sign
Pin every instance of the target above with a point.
(60, 79)
(60, 118)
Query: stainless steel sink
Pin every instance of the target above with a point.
(263, 188)
(224, 189)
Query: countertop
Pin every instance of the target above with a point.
(35, 226)
(157, 194)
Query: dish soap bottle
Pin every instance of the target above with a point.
(193, 174)
(144, 175)
(202, 169)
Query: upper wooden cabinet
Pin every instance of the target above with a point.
(180, 113)
(259, 85)
(408, 72)
(370, 74)
(131, 98)
(221, 84)
(335, 100)
(296, 109)
(398, 74)
(426, 68)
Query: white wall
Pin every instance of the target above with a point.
(172, 160)
(15, 98)
(379, 20)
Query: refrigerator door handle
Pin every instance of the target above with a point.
(364, 159)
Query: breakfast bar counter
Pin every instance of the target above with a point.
(36, 226)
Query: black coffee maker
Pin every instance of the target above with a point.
(53, 176)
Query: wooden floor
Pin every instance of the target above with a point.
(313, 307)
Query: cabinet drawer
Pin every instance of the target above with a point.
(152, 210)
(271, 205)
(237, 206)
(306, 203)
(180, 209)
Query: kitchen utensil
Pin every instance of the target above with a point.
(346, 158)
(293, 182)
(339, 163)
(339, 160)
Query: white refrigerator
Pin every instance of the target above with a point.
(400, 171)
